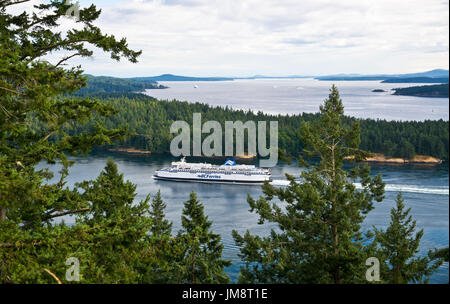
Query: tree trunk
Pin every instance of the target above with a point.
(337, 276)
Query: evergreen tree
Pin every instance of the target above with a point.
(398, 247)
(318, 239)
(201, 260)
(119, 244)
(160, 226)
(35, 89)
(406, 150)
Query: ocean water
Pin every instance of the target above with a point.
(425, 190)
(294, 96)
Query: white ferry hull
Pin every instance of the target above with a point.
(212, 177)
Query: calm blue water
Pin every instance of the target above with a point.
(294, 96)
(425, 190)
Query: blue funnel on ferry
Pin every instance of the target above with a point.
(230, 162)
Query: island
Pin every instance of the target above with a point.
(439, 90)
(379, 91)
(107, 85)
(417, 80)
(433, 76)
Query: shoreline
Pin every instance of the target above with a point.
(129, 151)
(420, 95)
(417, 160)
(376, 159)
(133, 151)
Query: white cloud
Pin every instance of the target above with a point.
(246, 37)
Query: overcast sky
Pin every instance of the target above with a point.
(279, 37)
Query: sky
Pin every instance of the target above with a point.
(274, 37)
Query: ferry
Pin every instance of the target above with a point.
(229, 172)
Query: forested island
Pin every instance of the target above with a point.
(439, 90)
(102, 84)
(433, 76)
(416, 80)
(150, 119)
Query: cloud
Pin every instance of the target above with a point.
(299, 41)
(246, 37)
(182, 2)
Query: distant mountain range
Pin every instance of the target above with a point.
(433, 76)
(106, 86)
(170, 77)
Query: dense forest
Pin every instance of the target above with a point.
(151, 119)
(438, 90)
(101, 84)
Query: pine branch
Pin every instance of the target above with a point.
(67, 213)
(6, 3)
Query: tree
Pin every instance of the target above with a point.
(34, 89)
(201, 260)
(406, 150)
(160, 226)
(318, 239)
(398, 245)
(166, 249)
(119, 228)
(31, 87)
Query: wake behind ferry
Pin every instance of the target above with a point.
(229, 172)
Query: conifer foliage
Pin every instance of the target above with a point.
(318, 237)
(119, 227)
(114, 238)
(160, 226)
(201, 261)
(398, 246)
(33, 86)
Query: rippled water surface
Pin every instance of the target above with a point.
(425, 190)
(293, 96)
